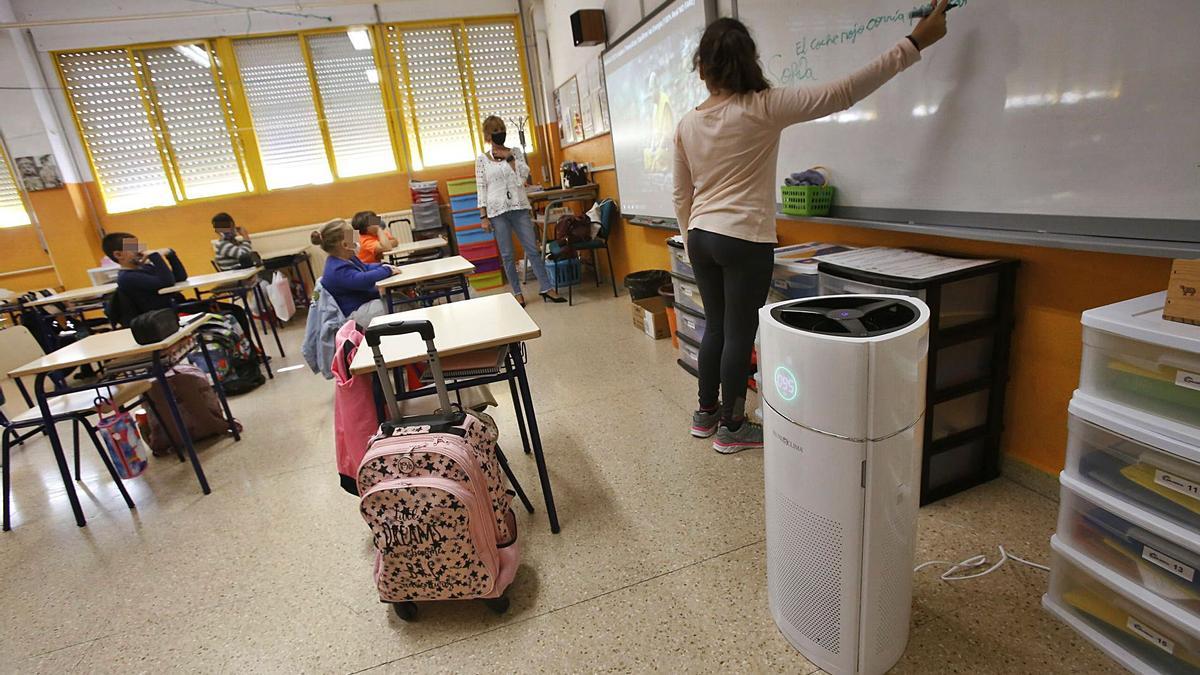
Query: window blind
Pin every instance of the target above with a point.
(433, 90)
(496, 74)
(102, 87)
(196, 119)
(12, 209)
(352, 102)
(279, 94)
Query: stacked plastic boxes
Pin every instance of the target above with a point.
(1127, 551)
(473, 243)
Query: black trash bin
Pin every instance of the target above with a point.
(645, 284)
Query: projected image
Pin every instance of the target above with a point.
(650, 86)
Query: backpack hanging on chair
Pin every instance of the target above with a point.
(568, 231)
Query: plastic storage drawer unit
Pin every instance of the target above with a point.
(473, 235)
(1133, 356)
(795, 274)
(1131, 624)
(1131, 457)
(689, 324)
(1144, 548)
(464, 202)
(687, 294)
(964, 362)
(679, 258)
(689, 355)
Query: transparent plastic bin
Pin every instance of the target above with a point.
(687, 295)
(960, 414)
(1144, 548)
(1132, 624)
(680, 264)
(689, 324)
(964, 362)
(965, 301)
(689, 354)
(1142, 375)
(1133, 463)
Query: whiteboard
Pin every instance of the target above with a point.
(1074, 116)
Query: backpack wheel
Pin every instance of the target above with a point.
(497, 605)
(407, 611)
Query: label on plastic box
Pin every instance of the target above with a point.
(1186, 379)
(1168, 563)
(1150, 635)
(1177, 483)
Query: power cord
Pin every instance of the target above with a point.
(975, 562)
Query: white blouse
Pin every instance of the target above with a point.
(501, 188)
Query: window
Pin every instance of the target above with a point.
(352, 102)
(450, 76)
(156, 124)
(278, 92)
(12, 208)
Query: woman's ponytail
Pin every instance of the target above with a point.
(727, 58)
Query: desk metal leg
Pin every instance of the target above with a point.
(56, 445)
(516, 399)
(269, 318)
(466, 287)
(256, 337)
(237, 435)
(387, 298)
(161, 376)
(514, 351)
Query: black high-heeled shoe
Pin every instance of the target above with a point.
(546, 297)
(521, 300)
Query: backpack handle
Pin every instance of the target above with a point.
(424, 328)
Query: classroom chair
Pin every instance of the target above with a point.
(18, 347)
(608, 216)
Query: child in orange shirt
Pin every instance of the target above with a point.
(373, 239)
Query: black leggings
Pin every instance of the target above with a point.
(734, 276)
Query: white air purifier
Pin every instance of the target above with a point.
(844, 393)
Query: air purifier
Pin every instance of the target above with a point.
(844, 394)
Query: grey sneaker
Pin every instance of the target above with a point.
(749, 435)
(704, 424)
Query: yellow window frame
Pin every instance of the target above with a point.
(157, 125)
(397, 69)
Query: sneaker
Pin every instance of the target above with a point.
(747, 436)
(704, 424)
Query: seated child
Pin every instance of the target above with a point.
(232, 249)
(373, 239)
(144, 274)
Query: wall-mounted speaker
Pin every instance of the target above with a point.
(588, 28)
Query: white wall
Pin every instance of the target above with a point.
(19, 120)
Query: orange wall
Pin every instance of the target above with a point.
(1054, 286)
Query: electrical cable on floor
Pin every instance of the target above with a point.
(975, 562)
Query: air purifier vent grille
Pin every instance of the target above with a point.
(806, 571)
(893, 596)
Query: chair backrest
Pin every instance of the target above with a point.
(17, 347)
(608, 216)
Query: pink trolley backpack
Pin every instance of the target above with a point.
(433, 493)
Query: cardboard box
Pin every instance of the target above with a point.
(650, 317)
(1183, 293)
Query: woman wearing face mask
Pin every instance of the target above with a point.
(500, 176)
(350, 281)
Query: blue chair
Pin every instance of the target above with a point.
(608, 216)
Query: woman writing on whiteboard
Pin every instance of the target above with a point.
(725, 159)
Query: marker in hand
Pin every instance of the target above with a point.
(926, 11)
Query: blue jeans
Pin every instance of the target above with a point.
(518, 222)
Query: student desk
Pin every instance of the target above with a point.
(291, 256)
(454, 269)
(78, 295)
(233, 284)
(128, 362)
(461, 327)
(409, 248)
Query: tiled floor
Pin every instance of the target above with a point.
(659, 566)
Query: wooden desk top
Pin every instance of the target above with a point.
(430, 269)
(459, 327)
(284, 251)
(100, 347)
(76, 295)
(561, 193)
(214, 279)
(415, 246)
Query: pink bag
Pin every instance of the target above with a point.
(121, 439)
(354, 417)
(434, 495)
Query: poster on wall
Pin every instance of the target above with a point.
(593, 99)
(570, 119)
(38, 173)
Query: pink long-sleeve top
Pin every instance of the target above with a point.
(725, 156)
